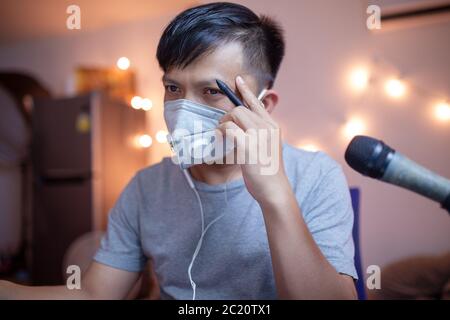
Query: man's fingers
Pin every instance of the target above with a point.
(232, 131)
(244, 118)
(254, 104)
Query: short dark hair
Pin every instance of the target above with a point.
(200, 30)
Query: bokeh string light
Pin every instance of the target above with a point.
(383, 76)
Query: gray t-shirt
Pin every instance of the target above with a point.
(157, 217)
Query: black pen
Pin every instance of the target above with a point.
(229, 93)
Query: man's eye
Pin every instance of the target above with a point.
(171, 88)
(212, 91)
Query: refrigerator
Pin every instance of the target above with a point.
(83, 155)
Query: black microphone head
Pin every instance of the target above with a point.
(368, 156)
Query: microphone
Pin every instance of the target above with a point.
(373, 158)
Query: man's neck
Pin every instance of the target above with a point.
(216, 174)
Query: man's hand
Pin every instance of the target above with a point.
(301, 271)
(259, 147)
(99, 282)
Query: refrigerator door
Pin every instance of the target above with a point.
(62, 212)
(62, 208)
(84, 156)
(62, 136)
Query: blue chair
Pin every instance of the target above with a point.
(360, 287)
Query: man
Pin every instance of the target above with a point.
(226, 231)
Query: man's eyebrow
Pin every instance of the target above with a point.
(167, 79)
(206, 82)
(201, 83)
(212, 83)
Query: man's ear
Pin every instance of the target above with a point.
(270, 100)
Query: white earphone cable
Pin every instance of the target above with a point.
(204, 230)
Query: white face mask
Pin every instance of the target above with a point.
(192, 133)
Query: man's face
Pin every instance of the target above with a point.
(197, 82)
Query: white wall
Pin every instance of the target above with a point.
(325, 39)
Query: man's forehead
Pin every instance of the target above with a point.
(224, 63)
(228, 55)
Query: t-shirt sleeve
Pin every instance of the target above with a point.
(121, 246)
(329, 216)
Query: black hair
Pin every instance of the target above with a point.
(199, 30)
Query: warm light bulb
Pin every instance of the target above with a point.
(146, 104)
(355, 126)
(442, 112)
(395, 88)
(136, 102)
(145, 141)
(359, 79)
(161, 136)
(123, 63)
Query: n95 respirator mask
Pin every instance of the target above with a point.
(192, 133)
